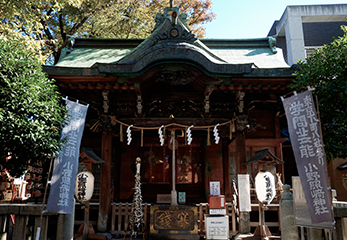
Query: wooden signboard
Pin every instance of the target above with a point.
(174, 222)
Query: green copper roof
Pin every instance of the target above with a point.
(87, 57)
(261, 57)
(170, 42)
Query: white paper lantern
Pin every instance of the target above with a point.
(265, 187)
(84, 186)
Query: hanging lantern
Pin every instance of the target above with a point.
(265, 187)
(84, 186)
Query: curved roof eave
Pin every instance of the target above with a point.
(174, 52)
(225, 70)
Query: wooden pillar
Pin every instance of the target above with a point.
(277, 127)
(225, 151)
(117, 169)
(105, 180)
(240, 142)
(241, 168)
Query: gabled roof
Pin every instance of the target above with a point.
(264, 155)
(170, 42)
(88, 153)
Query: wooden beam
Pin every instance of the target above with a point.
(84, 79)
(157, 122)
(263, 142)
(105, 180)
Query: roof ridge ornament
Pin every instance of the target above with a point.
(272, 43)
(70, 43)
(173, 14)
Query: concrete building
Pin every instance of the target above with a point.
(301, 29)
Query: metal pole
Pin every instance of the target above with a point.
(262, 220)
(173, 192)
(302, 233)
(43, 201)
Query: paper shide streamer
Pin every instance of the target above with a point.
(161, 137)
(189, 135)
(215, 133)
(129, 134)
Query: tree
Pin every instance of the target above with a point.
(52, 22)
(31, 113)
(326, 70)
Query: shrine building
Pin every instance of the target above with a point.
(193, 110)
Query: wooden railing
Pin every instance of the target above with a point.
(20, 215)
(120, 216)
(121, 212)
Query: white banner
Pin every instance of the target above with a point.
(61, 196)
(306, 140)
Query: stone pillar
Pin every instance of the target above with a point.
(340, 231)
(43, 227)
(65, 226)
(245, 223)
(314, 233)
(19, 228)
(288, 229)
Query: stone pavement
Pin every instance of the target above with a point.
(109, 236)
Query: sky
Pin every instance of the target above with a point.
(250, 18)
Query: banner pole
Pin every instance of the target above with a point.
(334, 233)
(43, 201)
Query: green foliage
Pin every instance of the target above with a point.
(31, 114)
(135, 19)
(326, 70)
(49, 23)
